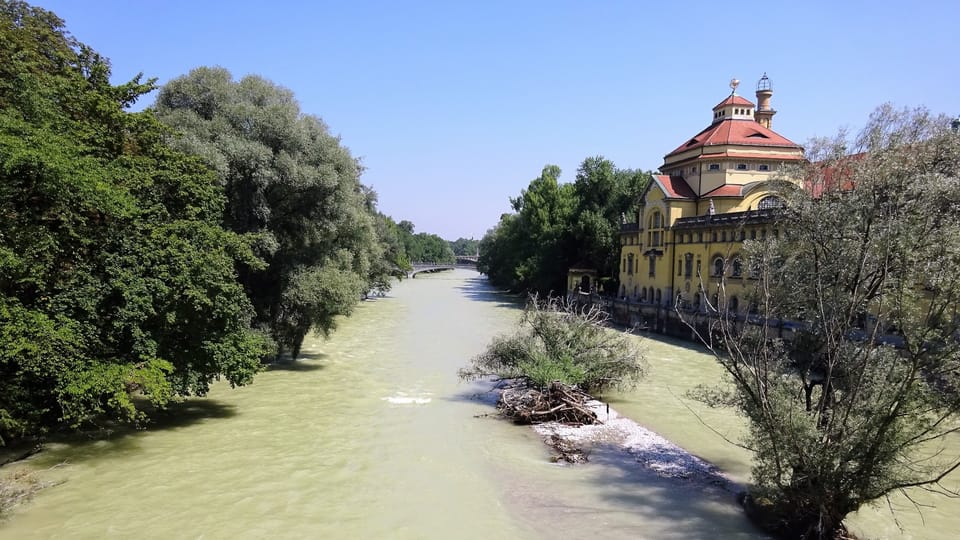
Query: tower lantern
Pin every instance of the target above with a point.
(765, 112)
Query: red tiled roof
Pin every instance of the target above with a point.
(726, 190)
(674, 187)
(735, 131)
(733, 100)
(833, 175)
(750, 155)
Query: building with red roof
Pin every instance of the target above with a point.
(713, 193)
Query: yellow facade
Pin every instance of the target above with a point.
(713, 194)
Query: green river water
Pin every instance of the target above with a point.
(371, 435)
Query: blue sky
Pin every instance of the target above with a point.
(455, 106)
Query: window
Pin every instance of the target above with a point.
(658, 296)
(763, 168)
(693, 169)
(723, 236)
(680, 267)
(630, 263)
(743, 235)
(655, 221)
(699, 237)
(655, 238)
(653, 265)
(733, 304)
(623, 265)
(771, 201)
(643, 294)
(688, 265)
(753, 234)
(714, 167)
(737, 268)
(698, 267)
(742, 166)
(718, 267)
(714, 236)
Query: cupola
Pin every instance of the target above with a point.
(734, 107)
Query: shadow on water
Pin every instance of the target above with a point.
(696, 506)
(309, 361)
(120, 438)
(478, 288)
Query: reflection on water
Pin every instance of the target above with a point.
(371, 435)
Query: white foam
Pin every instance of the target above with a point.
(403, 399)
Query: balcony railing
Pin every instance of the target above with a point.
(629, 227)
(732, 218)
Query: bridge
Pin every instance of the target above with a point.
(468, 263)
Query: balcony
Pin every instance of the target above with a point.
(629, 227)
(732, 218)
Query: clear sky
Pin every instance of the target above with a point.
(454, 107)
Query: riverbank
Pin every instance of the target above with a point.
(638, 446)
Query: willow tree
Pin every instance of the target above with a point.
(292, 187)
(857, 405)
(116, 277)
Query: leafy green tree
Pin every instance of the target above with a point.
(291, 187)
(465, 246)
(604, 195)
(557, 226)
(561, 342)
(855, 407)
(116, 277)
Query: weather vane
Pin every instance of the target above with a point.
(734, 83)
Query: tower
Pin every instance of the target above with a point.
(764, 114)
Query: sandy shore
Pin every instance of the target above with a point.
(638, 444)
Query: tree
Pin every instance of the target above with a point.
(560, 352)
(604, 195)
(292, 188)
(557, 226)
(465, 246)
(115, 276)
(852, 408)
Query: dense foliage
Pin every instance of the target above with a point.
(115, 274)
(294, 190)
(424, 247)
(465, 246)
(564, 343)
(854, 408)
(558, 226)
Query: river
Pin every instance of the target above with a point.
(371, 435)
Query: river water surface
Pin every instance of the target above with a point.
(371, 435)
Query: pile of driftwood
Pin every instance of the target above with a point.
(556, 403)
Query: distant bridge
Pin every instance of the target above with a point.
(468, 263)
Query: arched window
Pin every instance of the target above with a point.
(770, 201)
(718, 267)
(630, 263)
(658, 296)
(733, 304)
(688, 265)
(737, 268)
(643, 294)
